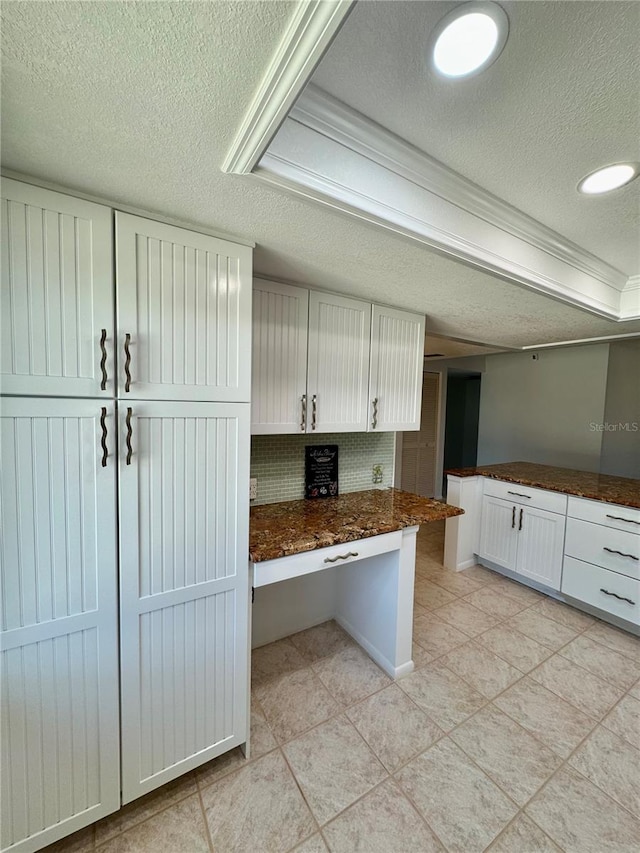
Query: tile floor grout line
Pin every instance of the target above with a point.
(302, 794)
(206, 821)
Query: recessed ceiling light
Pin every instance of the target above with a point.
(609, 178)
(468, 39)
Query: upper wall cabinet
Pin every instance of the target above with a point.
(184, 309)
(57, 294)
(397, 349)
(279, 372)
(325, 363)
(338, 363)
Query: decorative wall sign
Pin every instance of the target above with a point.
(321, 471)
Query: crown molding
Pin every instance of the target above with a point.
(291, 177)
(308, 35)
(630, 299)
(335, 120)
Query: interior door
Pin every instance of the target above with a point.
(56, 308)
(59, 644)
(499, 532)
(397, 355)
(279, 375)
(541, 545)
(338, 366)
(184, 313)
(184, 519)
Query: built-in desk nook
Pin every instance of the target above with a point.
(350, 558)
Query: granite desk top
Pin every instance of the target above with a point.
(597, 487)
(292, 527)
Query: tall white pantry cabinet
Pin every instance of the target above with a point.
(124, 508)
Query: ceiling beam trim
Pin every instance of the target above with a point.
(311, 30)
(524, 264)
(326, 151)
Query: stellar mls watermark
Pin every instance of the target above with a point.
(620, 426)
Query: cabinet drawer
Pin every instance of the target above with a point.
(612, 549)
(514, 492)
(599, 588)
(612, 515)
(283, 568)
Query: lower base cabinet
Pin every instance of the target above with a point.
(92, 720)
(524, 539)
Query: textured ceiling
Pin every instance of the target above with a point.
(139, 103)
(562, 100)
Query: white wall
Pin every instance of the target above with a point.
(621, 436)
(543, 410)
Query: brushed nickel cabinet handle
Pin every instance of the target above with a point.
(314, 411)
(303, 418)
(513, 518)
(129, 434)
(520, 522)
(103, 360)
(520, 495)
(341, 557)
(620, 518)
(127, 362)
(615, 595)
(103, 439)
(622, 554)
(374, 418)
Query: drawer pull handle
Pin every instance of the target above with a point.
(620, 518)
(622, 554)
(103, 440)
(127, 421)
(341, 557)
(619, 597)
(374, 417)
(127, 362)
(314, 411)
(513, 518)
(303, 418)
(520, 495)
(520, 522)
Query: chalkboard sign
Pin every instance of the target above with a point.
(321, 471)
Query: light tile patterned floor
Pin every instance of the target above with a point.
(519, 732)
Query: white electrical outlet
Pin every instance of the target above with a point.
(253, 488)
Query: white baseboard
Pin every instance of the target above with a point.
(380, 659)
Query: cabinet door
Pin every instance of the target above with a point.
(279, 374)
(397, 357)
(184, 521)
(540, 546)
(184, 301)
(59, 647)
(498, 532)
(338, 369)
(56, 309)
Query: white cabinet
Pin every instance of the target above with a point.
(178, 678)
(184, 313)
(326, 363)
(498, 532)
(395, 387)
(56, 311)
(522, 538)
(184, 526)
(338, 363)
(540, 545)
(59, 644)
(279, 358)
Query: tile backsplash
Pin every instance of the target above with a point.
(277, 461)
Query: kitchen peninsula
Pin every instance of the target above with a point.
(572, 534)
(360, 548)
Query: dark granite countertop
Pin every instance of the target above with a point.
(292, 527)
(584, 484)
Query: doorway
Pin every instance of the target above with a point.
(419, 448)
(461, 420)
